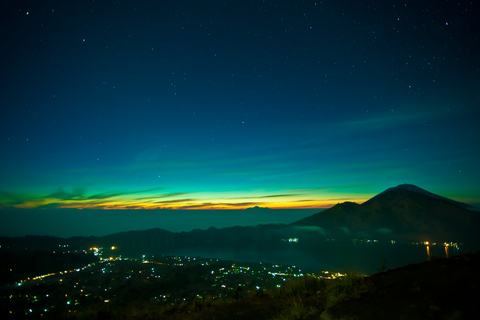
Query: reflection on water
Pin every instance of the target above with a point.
(337, 256)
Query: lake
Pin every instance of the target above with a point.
(366, 258)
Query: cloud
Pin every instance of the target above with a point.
(376, 124)
(54, 205)
(311, 229)
(63, 198)
(268, 196)
(175, 201)
(280, 195)
(79, 194)
(168, 195)
(384, 230)
(149, 198)
(9, 200)
(61, 193)
(131, 207)
(345, 229)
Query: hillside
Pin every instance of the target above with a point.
(436, 289)
(406, 211)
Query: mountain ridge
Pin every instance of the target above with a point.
(406, 210)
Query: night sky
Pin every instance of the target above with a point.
(235, 104)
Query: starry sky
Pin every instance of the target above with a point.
(182, 104)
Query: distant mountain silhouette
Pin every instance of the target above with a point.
(416, 189)
(405, 211)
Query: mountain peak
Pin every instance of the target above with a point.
(409, 187)
(407, 211)
(414, 188)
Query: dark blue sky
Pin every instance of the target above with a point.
(235, 104)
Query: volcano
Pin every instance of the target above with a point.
(405, 211)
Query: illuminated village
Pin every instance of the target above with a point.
(167, 279)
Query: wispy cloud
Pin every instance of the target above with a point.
(267, 196)
(8, 199)
(161, 196)
(376, 123)
(80, 194)
(150, 199)
(417, 113)
(176, 201)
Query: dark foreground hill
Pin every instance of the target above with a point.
(438, 289)
(406, 212)
(443, 288)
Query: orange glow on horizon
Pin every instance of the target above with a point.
(178, 206)
(201, 201)
(193, 206)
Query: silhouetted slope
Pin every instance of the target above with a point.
(437, 289)
(413, 188)
(406, 211)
